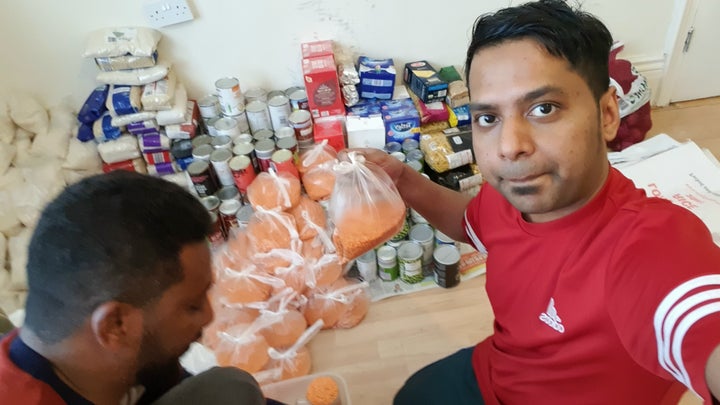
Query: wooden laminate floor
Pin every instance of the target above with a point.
(402, 334)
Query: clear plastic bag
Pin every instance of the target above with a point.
(365, 207)
(268, 230)
(335, 305)
(315, 156)
(274, 191)
(310, 218)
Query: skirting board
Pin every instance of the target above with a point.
(652, 69)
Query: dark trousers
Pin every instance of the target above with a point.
(447, 381)
(217, 386)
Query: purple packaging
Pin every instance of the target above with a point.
(162, 169)
(143, 127)
(153, 143)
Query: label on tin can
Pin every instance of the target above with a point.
(217, 235)
(209, 106)
(410, 262)
(446, 266)
(387, 263)
(243, 172)
(228, 215)
(258, 116)
(367, 266)
(230, 98)
(279, 108)
(282, 161)
(199, 172)
(301, 121)
(220, 159)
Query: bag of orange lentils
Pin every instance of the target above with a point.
(365, 207)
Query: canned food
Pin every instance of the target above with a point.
(416, 218)
(243, 215)
(415, 155)
(203, 182)
(210, 126)
(410, 144)
(263, 151)
(211, 203)
(387, 263)
(289, 144)
(415, 165)
(219, 160)
(282, 161)
(298, 98)
(242, 120)
(217, 234)
(279, 108)
(258, 116)
(442, 239)
(446, 263)
(222, 142)
(403, 232)
(243, 172)
(285, 132)
(274, 93)
(247, 149)
(202, 152)
(262, 134)
(243, 138)
(424, 235)
(227, 126)
(230, 98)
(256, 94)
(301, 121)
(228, 193)
(201, 140)
(367, 266)
(410, 262)
(228, 215)
(209, 106)
(399, 156)
(392, 147)
(181, 148)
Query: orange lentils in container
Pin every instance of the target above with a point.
(323, 391)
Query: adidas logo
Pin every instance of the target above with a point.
(551, 318)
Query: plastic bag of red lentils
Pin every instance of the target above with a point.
(365, 207)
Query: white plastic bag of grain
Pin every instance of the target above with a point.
(42, 182)
(23, 142)
(123, 99)
(124, 120)
(119, 41)
(9, 222)
(54, 142)
(123, 148)
(177, 114)
(7, 126)
(7, 154)
(157, 96)
(27, 112)
(82, 156)
(73, 176)
(134, 77)
(17, 249)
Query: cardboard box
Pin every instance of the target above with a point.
(330, 128)
(401, 124)
(377, 78)
(322, 87)
(365, 132)
(365, 108)
(424, 81)
(316, 48)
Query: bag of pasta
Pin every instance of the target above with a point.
(365, 207)
(448, 150)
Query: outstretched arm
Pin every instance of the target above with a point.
(442, 207)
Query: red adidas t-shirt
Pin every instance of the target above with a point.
(611, 304)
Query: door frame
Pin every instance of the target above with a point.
(682, 18)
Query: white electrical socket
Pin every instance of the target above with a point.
(161, 13)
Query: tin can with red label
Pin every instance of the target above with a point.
(243, 172)
(263, 151)
(301, 121)
(217, 235)
(282, 161)
(228, 215)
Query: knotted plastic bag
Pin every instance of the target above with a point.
(274, 191)
(335, 305)
(285, 323)
(365, 207)
(295, 361)
(242, 346)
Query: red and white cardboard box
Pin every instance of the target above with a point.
(322, 86)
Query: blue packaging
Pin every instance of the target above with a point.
(104, 130)
(463, 115)
(390, 105)
(121, 101)
(85, 133)
(94, 106)
(424, 81)
(365, 108)
(401, 124)
(183, 163)
(377, 77)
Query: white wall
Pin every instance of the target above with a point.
(258, 41)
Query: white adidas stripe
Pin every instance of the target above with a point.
(674, 314)
(473, 237)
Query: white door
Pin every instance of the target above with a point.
(698, 64)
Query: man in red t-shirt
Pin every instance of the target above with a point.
(601, 295)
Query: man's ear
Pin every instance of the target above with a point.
(116, 324)
(609, 114)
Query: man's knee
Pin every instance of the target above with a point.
(218, 385)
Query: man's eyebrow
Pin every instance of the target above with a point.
(526, 98)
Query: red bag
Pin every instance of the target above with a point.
(633, 95)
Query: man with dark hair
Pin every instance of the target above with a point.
(118, 273)
(601, 295)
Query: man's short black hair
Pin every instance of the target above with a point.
(571, 34)
(113, 236)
